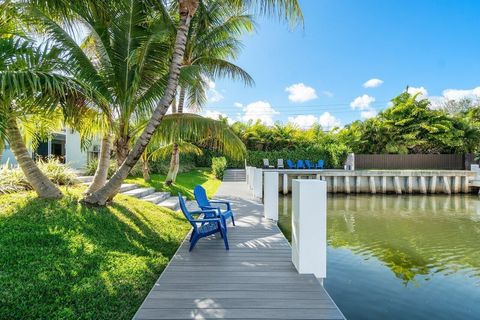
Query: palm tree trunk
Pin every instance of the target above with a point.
(145, 168)
(39, 181)
(173, 164)
(175, 159)
(187, 9)
(101, 174)
(121, 149)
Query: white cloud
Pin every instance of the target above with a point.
(373, 83)
(303, 121)
(362, 102)
(327, 93)
(421, 90)
(259, 110)
(299, 92)
(212, 114)
(367, 114)
(326, 120)
(458, 94)
(212, 93)
(238, 105)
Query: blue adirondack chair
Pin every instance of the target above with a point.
(203, 227)
(308, 165)
(290, 164)
(300, 164)
(205, 204)
(320, 164)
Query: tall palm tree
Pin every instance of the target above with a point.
(123, 59)
(213, 39)
(186, 11)
(32, 85)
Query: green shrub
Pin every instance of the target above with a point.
(92, 167)
(13, 180)
(58, 172)
(219, 164)
(334, 156)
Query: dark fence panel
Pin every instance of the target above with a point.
(410, 161)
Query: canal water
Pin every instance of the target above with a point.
(401, 257)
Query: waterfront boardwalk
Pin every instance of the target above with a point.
(255, 279)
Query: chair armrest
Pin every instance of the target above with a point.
(215, 210)
(206, 220)
(221, 202)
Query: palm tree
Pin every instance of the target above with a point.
(32, 85)
(123, 59)
(178, 130)
(213, 38)
(186, 10)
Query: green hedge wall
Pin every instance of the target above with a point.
(332, 159)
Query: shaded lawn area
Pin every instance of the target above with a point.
(62, 260)
(185, 182)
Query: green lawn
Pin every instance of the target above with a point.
(62, 260)
(184, 184)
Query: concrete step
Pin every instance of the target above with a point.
(139, 192)
(127, 187)
(171, 203)
(85, 179)
(156, 197)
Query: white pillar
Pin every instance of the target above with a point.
(285, 184)
(270, 195)
(251, 177)
(309, 227)
(258, 183)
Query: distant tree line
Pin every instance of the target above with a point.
(409, 125)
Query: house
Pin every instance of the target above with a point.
(64, 145)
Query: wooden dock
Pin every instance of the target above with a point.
(255, 279)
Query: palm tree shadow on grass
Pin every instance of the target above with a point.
(64, 260)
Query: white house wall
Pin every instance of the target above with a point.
(75, 157)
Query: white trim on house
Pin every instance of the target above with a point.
(75, 157)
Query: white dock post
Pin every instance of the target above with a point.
(285, 184)
(309, 227)
(258, 183)
(270, 196)
(251, 175)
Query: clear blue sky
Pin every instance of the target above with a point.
(432, 44)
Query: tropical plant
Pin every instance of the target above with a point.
(33, 84)
(213, 40)
(219, 165)
(186, 11)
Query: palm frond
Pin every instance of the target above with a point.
(208, 133)
(165, 151)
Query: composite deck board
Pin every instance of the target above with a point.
(255, 279)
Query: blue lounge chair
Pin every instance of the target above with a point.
(290, 164)
(204, 227)
(320, 164)
(205, 204)
(308, 165)
(300, 164)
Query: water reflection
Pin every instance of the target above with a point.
(420, 239)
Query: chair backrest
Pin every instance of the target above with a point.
(290, 164)
(308, 164)
(320, 164)
(266, 163)
(201, 196)
(300, 164)
(185, 211)
(280, 164)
